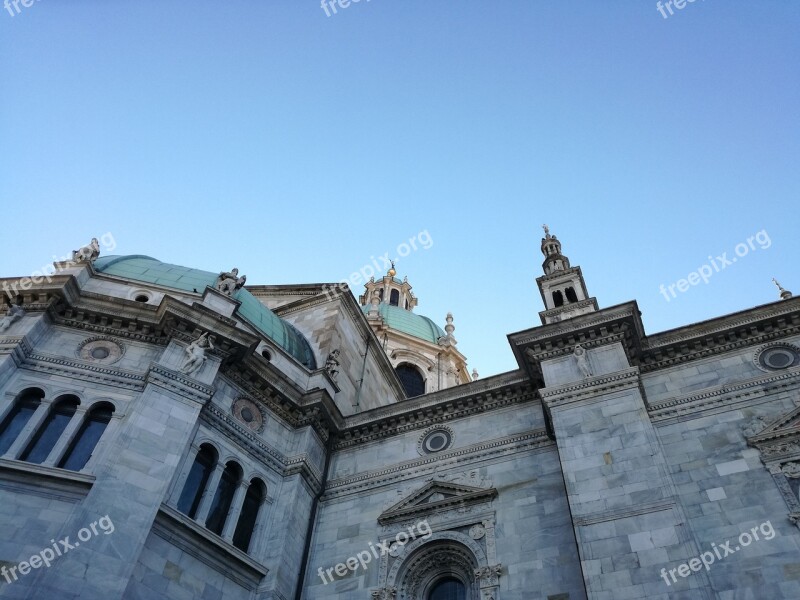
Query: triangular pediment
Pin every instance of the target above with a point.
(435, 496)
(778, 436)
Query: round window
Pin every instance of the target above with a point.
(778, 357)
(436, 440)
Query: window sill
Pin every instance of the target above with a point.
(44, 481)
(197, 541)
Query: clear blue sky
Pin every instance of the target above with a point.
(265, 135)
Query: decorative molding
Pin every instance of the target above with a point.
(591, 388)
(436, 496)
(410, 469)
(179, 383)
(432, 410)
(724, 395)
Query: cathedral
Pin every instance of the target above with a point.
(172, 432)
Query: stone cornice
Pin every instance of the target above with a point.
(724, 395)
(785, 308)
(410, 469)
(591, 388)
(437, 407)
(76, 368)
(178, 383)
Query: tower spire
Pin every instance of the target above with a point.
(562, 286)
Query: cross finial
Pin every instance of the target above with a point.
(546, 230)
(775, 281)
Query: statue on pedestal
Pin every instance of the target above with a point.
(196, 354)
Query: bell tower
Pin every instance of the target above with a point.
(562, 286)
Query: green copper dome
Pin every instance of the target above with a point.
(408, 322)
(149, 270)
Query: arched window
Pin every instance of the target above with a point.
(54, 425)
(196, 482)
(18, 417)
(394, 298)
(87, 437)
(412, 380)
(223, 497)
(558, 299)
(571, 297)
(448, 589)
(246, 525)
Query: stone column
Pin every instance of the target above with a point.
(208, 494)
(66, 437)
(235, 511)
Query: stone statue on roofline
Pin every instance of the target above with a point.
(13, 313)
(229, 282)
(87, 253)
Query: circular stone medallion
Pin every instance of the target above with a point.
(103, 350)
(246, 411)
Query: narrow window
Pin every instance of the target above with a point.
(18, 417)
(571, 297)
(223, 498)
(88, 435)
(412, 380)
(558, 299)
(253, 500)
(394, 298)
(448, 589)
(196, 482)
(380, 294)
(49, 432)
